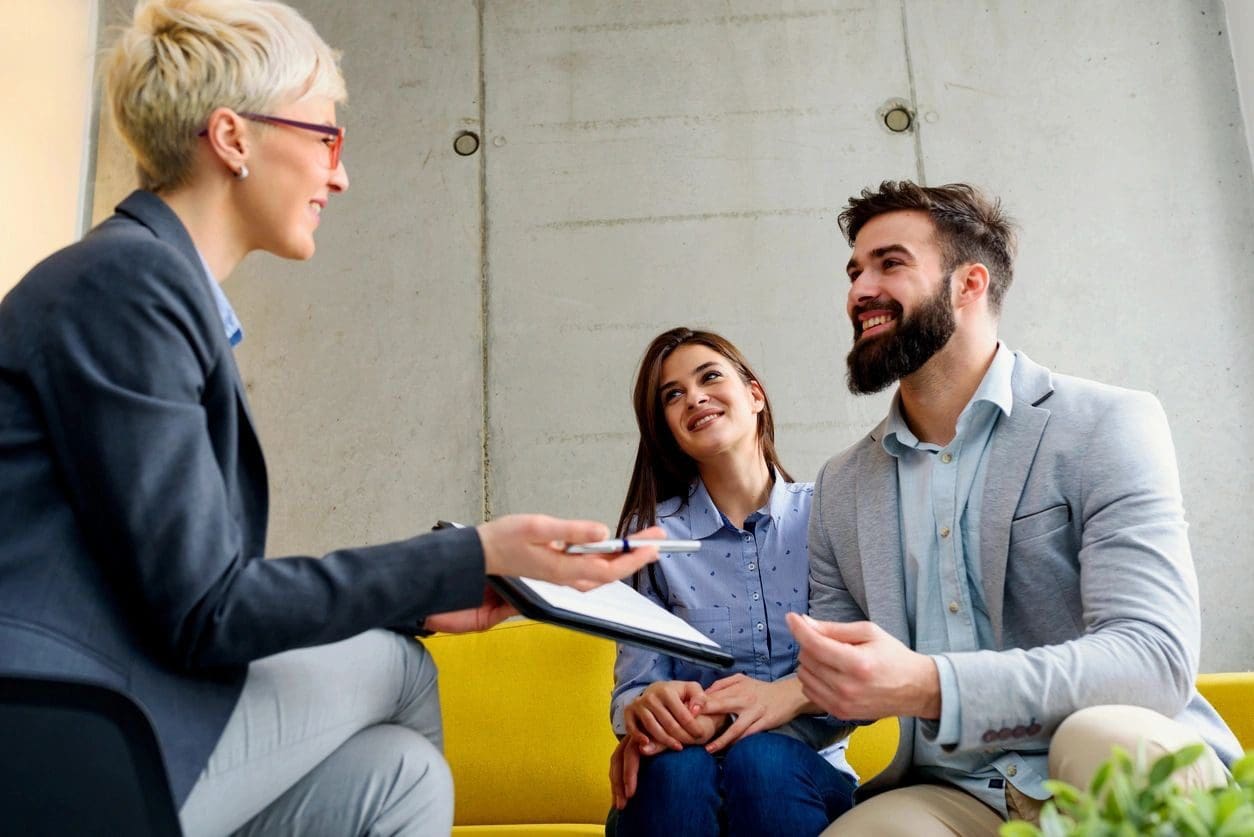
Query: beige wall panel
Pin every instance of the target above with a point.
(46, 53)
(1113, 132)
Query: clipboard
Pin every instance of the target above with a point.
(653, 627)
(614, 611)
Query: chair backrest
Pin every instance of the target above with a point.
(79, 758)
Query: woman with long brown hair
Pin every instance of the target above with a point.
(701, 751)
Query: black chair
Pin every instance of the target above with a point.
(82, 759)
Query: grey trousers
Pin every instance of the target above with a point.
(341, 739)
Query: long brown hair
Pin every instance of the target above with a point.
(662, 469)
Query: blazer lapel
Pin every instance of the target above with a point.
(154, 213)
(879, 540)
(1011, 452)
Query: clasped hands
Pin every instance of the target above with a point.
(675, 714)
(850, 670)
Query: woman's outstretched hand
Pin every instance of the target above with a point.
(531, 545)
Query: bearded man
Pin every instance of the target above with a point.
(1002, 563)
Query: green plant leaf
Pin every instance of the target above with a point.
(1243, 770)
(1054, 824)
(1240, 824)
(1065, 795)
(1019, 828)
(1185, 814)
(1121, 760)
(1162, 769)
(1227, 802)
(1100, 777)
(1187, 755)
(1120, 801)
(1204, 804)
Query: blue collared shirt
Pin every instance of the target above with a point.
(940, 489)
(736, 590)
(230, 322)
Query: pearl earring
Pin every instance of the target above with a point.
(242, 173)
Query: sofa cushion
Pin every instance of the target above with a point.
(526, 723)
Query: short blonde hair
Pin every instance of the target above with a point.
(180, 59)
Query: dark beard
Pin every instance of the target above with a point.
(880, 361)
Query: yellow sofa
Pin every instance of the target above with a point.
(527, 733)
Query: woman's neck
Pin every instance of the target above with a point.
(738, 485)
(208, 214)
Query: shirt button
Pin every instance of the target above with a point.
(759, 626)
(1011, 770)
(947, 458)
(944, 531)
(756, 597)
(953, 607)
(752, 566)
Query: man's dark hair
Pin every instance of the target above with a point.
(970, 226)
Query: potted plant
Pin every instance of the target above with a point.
(1127, 798)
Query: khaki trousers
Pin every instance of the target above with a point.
(1079, 745)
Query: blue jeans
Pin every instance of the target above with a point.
(763, 784)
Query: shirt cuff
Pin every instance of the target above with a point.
(618, 707)
(950, 730)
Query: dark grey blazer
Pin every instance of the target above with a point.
(133, 496)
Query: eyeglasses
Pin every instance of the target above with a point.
(336, 132)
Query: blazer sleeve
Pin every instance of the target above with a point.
(120, 372)
(1140, 642)
(830, 599)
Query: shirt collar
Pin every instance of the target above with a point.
(230, 323)
(995, 389)
(704, 518)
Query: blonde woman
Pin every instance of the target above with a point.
(133, 495)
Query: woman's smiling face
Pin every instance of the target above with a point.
(291, 180)
(709, 409)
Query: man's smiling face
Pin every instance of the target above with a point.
(899, 300)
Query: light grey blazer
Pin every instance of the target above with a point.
(1087, 574)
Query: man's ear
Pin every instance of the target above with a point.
(228, 137)
(970, 283)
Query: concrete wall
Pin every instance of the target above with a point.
(46, 53)
(1240, 15)
(464, 341)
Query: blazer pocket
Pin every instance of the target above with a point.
(1039, 523)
